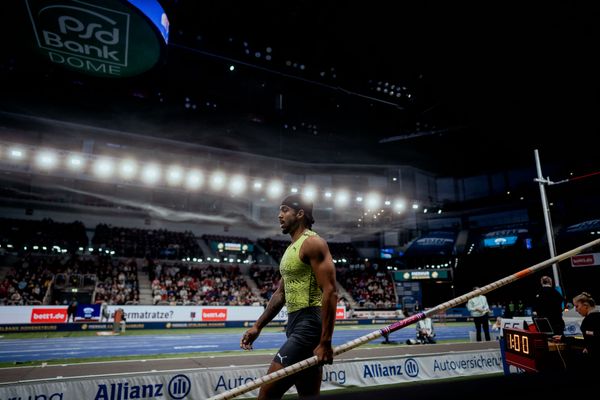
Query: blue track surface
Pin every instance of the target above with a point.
(107, 346)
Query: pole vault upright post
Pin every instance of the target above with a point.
(549, 231)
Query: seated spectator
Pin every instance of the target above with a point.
(425, 333)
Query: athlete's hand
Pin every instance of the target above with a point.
(248, 338)
(324, 353)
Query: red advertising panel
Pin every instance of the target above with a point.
(214, 314)
(340, 313)
(48, 315)
(585, 260)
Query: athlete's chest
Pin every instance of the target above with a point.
(291, 264)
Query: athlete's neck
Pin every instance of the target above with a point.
(295, 235)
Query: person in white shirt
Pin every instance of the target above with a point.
(425, 333)
(479, 309)
(104, 313)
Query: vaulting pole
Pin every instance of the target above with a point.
(312, 361)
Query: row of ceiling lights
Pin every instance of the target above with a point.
(153, 173)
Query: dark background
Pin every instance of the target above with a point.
(488, 83)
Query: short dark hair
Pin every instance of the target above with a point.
(298, 203)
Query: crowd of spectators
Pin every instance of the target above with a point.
(114, 277)
(27, 282)
(210, 285)
(32, 275)
(267, 280)
(370, 285)
(117, 281)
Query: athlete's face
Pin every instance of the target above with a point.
(288, 219)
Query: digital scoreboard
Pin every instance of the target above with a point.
(525, 349)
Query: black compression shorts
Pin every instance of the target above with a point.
(304, 333)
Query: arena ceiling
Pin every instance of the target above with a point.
(456, 89)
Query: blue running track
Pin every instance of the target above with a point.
(20, 350)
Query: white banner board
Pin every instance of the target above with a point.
(58, 314)
(205, 383)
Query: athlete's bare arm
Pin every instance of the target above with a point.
(315, 252)
(273, 307)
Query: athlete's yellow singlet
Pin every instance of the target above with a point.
(301, 289)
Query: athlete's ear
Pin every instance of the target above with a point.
(300, 213)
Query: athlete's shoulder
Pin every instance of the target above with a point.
(313, 237)
(309, 233)
(315, 244)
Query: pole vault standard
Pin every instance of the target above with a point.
(312, 361)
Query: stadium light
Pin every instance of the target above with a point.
(75, 162)
(237, 184)
(46, 159)
(275, 189)
(373, 200)
(194, 179)
(16, 153)
(175, 175)
(309, 193)
(151, 174)
(128, 169)
(104, 167)
(217, 180)
(399, 205)
(342, 198)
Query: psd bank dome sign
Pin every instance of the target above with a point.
(105, 38)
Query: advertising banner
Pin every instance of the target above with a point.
(585, 260)
(103, 38)
(202, 384)
(85, 312)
